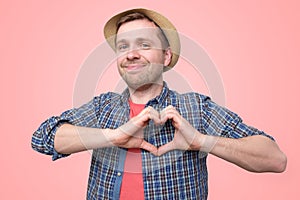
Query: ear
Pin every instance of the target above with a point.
(168, 56)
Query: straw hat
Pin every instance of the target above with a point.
(110, 30)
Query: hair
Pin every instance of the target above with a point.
(139, 16)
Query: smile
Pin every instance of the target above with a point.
(134, 67)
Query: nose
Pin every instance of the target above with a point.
(133, 54)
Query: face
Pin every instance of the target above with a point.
(141, 58)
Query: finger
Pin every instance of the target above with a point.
(155, 116)
(130, 128)
(142, 119)
(165, 148)
(150, 113)
(168, 110)
(172, 114)
(149, 147)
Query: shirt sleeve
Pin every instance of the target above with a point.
(43, 138)
(219, 121)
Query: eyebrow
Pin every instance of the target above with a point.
(136, 39)
(120, 41)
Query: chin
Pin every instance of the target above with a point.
(136, 85)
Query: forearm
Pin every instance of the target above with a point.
(253, 153)
(71, 139)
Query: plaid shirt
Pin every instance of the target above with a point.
(175, 175)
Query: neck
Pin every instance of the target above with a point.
(145, 93)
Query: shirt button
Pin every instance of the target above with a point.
(119, 174)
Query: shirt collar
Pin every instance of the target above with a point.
(158, 99)
(162, 96)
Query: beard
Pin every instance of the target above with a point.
(150, 74)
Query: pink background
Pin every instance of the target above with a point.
(255, 46)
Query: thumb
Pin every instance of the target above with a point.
(165, 148)
(149, 147)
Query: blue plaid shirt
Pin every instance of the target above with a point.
(175, 175)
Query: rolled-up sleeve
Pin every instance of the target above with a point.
(43, 138)
(219, 121)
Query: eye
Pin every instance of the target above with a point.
(122, 47)
(145, 45)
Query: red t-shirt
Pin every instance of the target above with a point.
(132, 184)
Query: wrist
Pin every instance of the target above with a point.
(207, 143)
(110, 136)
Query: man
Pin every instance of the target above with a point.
(151, 142)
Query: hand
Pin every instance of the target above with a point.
(186, 137)
(130, 135)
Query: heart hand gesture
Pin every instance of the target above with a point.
(130, 135)
(186, 137)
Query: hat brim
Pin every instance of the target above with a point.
(110, 31)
